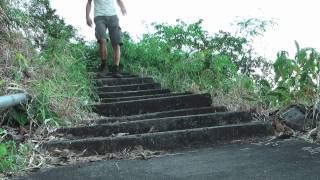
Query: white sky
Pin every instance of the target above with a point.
(297, 19)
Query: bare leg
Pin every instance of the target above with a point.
(116, 61)
(117, 54)
(103, 53)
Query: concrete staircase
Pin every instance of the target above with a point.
(139, 112)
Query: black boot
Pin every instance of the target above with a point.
(116, 72)
(103, 69)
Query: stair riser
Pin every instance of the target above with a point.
(129, 88)
(133, 93)
(153, 105)
(165, 140)
(123, 81)
(111, 100)
(98, 77)
(160, 125)
(184, 112)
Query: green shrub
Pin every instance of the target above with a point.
(184, 56)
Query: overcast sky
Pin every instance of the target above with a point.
(297, 19)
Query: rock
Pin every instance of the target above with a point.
(295, 117)
(284, 135)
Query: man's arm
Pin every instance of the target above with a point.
(88, 10)
(122, 7)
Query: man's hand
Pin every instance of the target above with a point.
(89, 22)
(124, 11)
(88, 9)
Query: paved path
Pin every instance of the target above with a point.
(284, 160)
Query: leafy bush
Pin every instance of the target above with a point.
(297, 80)
(185, 57)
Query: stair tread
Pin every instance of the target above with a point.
(133, 93)
(165, 140)
(134, 107)
(131, 87)
(124, 81)
(160, 124)
(156, 98)
(139, 84)
(164, 132)
(163, 114)
(121, 99)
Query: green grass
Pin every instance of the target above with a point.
(12, 158)
(64, 86)
(45, 58)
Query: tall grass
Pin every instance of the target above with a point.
(46, 59)
(64, 87)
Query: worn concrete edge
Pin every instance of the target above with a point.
(214, 119)
(152, 99)
(165, 140)
(143, 97)
(163, 114)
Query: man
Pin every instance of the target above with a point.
(105, 17)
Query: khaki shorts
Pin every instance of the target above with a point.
(112, 24)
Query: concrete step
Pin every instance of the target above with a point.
(152, 105)
(108, 74)
(133, 93)
(159, 124)
(164, 140)
(92, 69)
(110, 100)
(180, 112)
(132, 87)
(98, 75)
(101, 76)
(124, 81)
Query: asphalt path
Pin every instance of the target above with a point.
(277, 160)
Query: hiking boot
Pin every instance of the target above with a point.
(116, 72)
(103, 69)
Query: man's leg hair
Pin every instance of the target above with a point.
(103, 55)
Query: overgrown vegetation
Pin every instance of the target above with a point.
(185, 57)
(45, 58)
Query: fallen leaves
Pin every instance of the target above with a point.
(67, 157)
